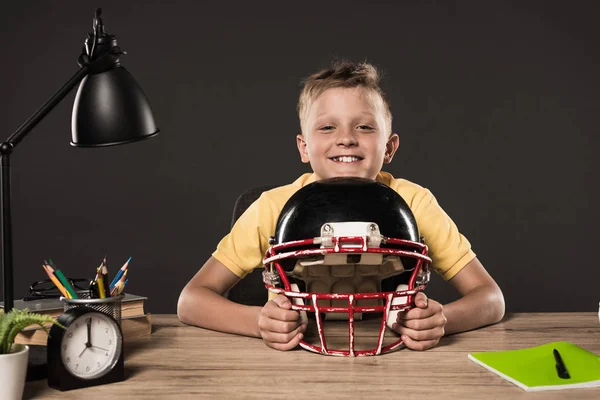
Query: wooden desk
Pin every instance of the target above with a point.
(179, 361)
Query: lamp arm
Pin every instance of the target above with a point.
(6, 149)
(52, 102)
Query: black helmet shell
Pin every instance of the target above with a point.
(345, 200)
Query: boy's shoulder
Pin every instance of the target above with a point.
(302, 181)
(411, 192)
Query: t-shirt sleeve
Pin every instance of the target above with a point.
(243, 249)
(449, 250)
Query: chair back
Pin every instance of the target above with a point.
(250, 290)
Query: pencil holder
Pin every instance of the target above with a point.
(109, 305)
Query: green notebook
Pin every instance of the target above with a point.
(534, 368)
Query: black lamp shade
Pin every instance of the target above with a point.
(111, 108)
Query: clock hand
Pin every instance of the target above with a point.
(89, 332)
(89, 336)
(96, 347)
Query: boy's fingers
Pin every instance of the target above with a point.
(422, 324)
(280, 309)
(282, 302)
(415, 313)
(432, 308)
(418, 312)
(421, 300)
(433, 333)
(283, 338)
(278, 326)
(273, 311)
(419, 345)
(287, 346)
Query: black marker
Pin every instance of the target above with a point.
(561, 368)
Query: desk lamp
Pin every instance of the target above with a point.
(110, 108)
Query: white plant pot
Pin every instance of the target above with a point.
(13, 368)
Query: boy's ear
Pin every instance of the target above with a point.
(390, 148)
(302, 148)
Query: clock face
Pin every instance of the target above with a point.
(91, 345)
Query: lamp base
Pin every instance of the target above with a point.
(37, 368)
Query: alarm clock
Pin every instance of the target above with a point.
(88, 352)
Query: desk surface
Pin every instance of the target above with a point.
(180, 361)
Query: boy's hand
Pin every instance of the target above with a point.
(423, 326)
(280, 327)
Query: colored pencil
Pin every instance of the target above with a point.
(100, 267)
(49, 269)
(64, 281)
(57, 283)
(100, 282)
(51, 263)
(118, 287)
(120, 273)
(105, 279)
(115, 289)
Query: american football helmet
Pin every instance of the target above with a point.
(344, 248)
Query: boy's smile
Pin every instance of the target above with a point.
(346, 159)
(345, 133)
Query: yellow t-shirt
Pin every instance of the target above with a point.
(244, 247)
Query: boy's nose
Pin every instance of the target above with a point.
(346, 138)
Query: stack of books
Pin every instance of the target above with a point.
(135, 322)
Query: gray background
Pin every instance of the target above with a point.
(495, 103)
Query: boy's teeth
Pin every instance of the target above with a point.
(346, 159)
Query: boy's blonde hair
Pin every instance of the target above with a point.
(345, 74)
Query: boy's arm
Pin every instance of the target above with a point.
(482, 301)
(202, 302)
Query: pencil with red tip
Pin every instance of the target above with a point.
(120, 273)
(118, 287)
(56, 282)
(62, 279)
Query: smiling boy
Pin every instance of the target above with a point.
(346, 131)
(345, 134)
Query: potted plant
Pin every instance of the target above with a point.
(14, 357)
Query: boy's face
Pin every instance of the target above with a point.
(346, 134)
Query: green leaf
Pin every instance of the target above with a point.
(14, 321)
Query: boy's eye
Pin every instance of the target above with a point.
(326, 128)
(365, 127)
